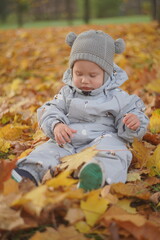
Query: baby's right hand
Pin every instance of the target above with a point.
(63, 133)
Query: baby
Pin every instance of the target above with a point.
(89, 110)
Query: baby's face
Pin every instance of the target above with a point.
(87, 75)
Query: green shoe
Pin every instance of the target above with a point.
(91, 177)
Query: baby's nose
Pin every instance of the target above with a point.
(84, 79)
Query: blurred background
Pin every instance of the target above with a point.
(42, 13)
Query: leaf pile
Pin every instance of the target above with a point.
(32, 63)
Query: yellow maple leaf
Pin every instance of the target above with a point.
(133, 176)
(73, 161)
(4, 145)
(14, 88)
(94, 207)
(154, 124)
(153, 163)
(63, 179)
(25, 153)
(154, 86)
(34, 201)
(82, 227)
(125, 204)
(141, 153)
(12, 131)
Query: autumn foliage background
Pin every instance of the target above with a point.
(32, 63)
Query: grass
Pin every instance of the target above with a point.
(63, 23)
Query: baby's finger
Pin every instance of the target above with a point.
(133, 125)
(60, 139)
(70, 131)
(66, 136)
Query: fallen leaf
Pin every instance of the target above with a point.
(4, 145)
(9, 218)
(154, 123)
(5, 170)
(137, 189)
(62, 232)
(63, 179)
(34, 201)
(155, 198)
(133, 176)
(135, 224)
(154, 86)
(125, 204)
(153, 163)
(12, 131)
(74, 161)
(94, 207)
(10, 186)
(82, 227)
(74, 215)
(141, 153)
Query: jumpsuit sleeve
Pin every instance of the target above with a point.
(53, 112)
(130, 104)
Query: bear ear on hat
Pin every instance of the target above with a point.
(119, 45)
(70, 38)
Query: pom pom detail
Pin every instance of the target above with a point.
(70, 38)
(119, 45)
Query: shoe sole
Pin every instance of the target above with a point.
(90, 177)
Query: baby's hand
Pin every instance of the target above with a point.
(63, 133)
(131, 121)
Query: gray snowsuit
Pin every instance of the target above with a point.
(97, 117)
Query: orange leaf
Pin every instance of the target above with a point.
(5, 170)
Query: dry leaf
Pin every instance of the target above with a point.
(94, 207)
(74, 161)
(74, 215)
(141, 153)
(125, 204)
(62, 232)
(133, 176)
(137, 189)
(9, 218)
(153, 163)
(63, 179)
(154, 123)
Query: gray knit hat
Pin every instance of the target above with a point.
(94, 46)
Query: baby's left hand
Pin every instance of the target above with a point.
(131, 121)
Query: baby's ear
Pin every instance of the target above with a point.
(119, 45)
(70, 38)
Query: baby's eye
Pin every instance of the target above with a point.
(78, 74)
(92, 75)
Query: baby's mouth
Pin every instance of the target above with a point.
(86, 89)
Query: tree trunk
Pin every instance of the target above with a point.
(156, 10)
(3, 10)
(86, 11)
(69, 11)
(139, 4)
(19, 15)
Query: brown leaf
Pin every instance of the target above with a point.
(63, 232)
(74, 215)
(5, 170)
(9, 218)
(135, 224)
(137, 189)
